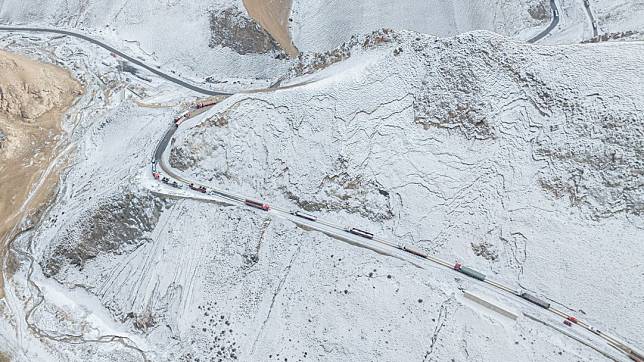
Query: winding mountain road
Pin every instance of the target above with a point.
(364, 238)
(553, 23)
(111, 49)
(346, 233)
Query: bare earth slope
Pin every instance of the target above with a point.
(33, 98)
(273, 15)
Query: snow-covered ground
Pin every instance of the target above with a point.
(613, 20)
(522, 161)
(619, 16)
(472, 147)
(322, 25)
(172, 34)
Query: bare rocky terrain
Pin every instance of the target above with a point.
(232, 29)
(120, 225)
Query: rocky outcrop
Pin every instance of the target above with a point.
(230, 28)
(309, 63)
(118, 225)
(540, 10)
(28, 89)
(596, 161)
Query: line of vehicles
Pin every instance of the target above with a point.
(414, 251)
(417, 252)
(157, 176)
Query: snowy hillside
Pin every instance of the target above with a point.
(619, 18)
(522, 161)
(217, 41)
(184, 35)
(470, 146)
(322, 25)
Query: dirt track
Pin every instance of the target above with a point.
(33, 98)
(273, 16)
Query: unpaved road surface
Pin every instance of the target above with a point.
(273, 15)
(33, 98)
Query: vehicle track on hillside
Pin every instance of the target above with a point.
(142, 65)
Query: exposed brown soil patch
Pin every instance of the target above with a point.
(33, 98)
(273, 16)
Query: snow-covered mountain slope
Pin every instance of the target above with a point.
(217, 42)
(597, 21)
(619, 19)
(322, 25)
(472, 147)
(194, 38)
(521, 161)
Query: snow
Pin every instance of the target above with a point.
(457, 145)
(172, 34)
(322, 25)
(619, 15)
(445, 179)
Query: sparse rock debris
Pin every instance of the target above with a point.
(182, 159)
(485, 250)
(596, 159)
(620, 35)
(143, 321)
